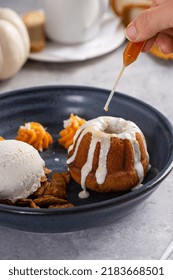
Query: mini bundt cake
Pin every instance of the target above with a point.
(108, 154)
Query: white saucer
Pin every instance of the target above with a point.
(110, 37)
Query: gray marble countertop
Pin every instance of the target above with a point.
(145, 233)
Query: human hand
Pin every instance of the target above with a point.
(154, 25)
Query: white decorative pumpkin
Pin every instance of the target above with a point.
(14, 43)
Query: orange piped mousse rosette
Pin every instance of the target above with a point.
(70, 127)
(35, 134)
(1, 138)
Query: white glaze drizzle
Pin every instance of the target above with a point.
(101, 171)
(137, 161)
(88, 165)
(84, 194)
(145, 146)
(102, 130)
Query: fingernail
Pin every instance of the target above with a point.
(131, 32)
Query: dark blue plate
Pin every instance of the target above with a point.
(50, 106)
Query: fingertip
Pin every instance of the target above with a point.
(131, 32)
(148, 44)
(164, 48)
(164, 43)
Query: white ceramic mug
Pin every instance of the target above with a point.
(73, 21)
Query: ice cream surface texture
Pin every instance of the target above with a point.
(21, 169)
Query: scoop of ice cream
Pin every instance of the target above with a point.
(21, 169)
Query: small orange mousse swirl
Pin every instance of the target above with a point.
(34, 134)
(1, 138)
(70, 127)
